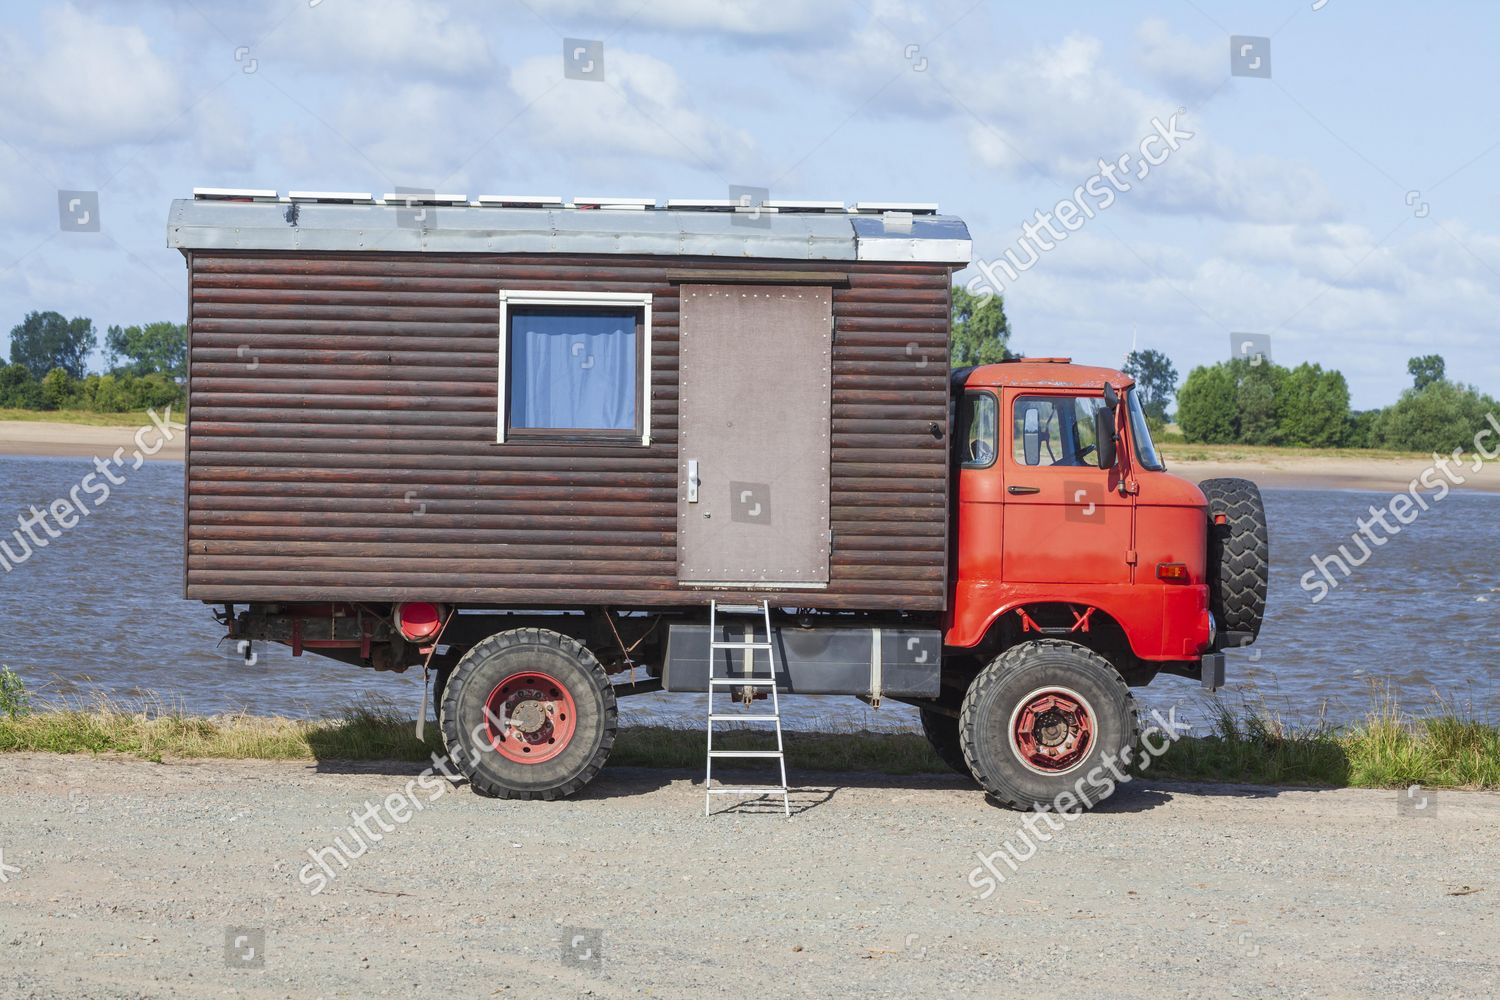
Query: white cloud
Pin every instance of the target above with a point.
(641, 109)
(1185, 68)
(394, 36)
(1058, 110)
(87, 84)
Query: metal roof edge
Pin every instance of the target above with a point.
(466, 228)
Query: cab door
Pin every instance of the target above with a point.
(1066, 520)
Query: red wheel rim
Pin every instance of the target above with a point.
(1052, 730)
(530, 717)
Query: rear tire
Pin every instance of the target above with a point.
(943, 736)
(1239, 558)
(1049, 717)
(528, 714)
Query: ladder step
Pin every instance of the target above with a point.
(739, 609)
(737, 681)
(740, 645)
(744, 718)
(744, 753)
(747, 791)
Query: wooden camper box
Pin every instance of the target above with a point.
(350, 387)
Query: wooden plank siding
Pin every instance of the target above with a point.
(342, 438)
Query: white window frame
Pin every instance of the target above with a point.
(640, 300)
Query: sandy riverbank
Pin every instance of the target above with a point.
(59, 440)
(128, 878)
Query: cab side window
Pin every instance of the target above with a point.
(979, 432)
(1055, 431)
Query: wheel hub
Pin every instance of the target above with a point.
(530, 717)
(1053, 730)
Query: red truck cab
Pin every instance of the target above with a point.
(1040, 522)
(1079, 568)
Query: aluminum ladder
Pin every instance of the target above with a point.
(749, 679)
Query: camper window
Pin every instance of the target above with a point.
(573, 367)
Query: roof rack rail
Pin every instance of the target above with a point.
(628, 204)
(914, 207)
(423, 198)
(332, 197)
(233, 194)
(520, 201)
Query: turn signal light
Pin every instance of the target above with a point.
(1172, 572)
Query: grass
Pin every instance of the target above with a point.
(1386, 750)
(133, 418)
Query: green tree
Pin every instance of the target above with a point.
(1314, 408)
(154, 347)
(1155, 379)
(1441, 416)
(19, 388)
(58, 389)
(1427, 369)
(1208, 407)
(981, 333)
(45, 340)
(1260, 389)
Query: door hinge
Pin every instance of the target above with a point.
(1132, 556)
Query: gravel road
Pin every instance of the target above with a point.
(126, 878)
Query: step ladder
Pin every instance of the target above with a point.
(750, 679)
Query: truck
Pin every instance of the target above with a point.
(525, 445)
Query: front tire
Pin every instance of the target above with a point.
(1045, 718)
(528, 714)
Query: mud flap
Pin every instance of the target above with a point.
(1211, 671)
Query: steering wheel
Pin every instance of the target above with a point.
(1086, 451)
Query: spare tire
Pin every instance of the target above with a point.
(1239, 559)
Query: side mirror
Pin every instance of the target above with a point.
(1111, 398)
(1031, 437)
(1104, 434)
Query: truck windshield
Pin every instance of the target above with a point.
(1145, 448)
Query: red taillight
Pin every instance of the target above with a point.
(418, 619)
(1221, 519)
(1172, 572)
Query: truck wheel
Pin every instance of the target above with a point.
(1238, 558)
(1047, 717)
(942, 735)
(528, 714)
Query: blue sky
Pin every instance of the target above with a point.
(1344, 206)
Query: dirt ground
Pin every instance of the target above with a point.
(127, 878)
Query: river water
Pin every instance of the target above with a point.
(99, 609)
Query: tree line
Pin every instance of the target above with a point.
(1253, 401)
(48, 369)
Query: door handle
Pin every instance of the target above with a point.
(692, 483)
(1022, 490)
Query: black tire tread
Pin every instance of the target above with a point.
(942, 732)
(526, 637)
(1239, 559)
(1014, 659)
